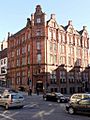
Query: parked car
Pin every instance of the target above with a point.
(11, 99)
(77, 96)
(83, 105)
(54, 96)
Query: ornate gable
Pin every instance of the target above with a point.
(70, 28)
(52, 22)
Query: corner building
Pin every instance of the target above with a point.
(45, 55)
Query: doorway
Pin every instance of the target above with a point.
(39, 86)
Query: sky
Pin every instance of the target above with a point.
(14, 13)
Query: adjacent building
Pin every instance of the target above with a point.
(46, 55)
(3, 63)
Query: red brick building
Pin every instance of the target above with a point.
(45, 54)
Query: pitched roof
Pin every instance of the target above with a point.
(3, 53)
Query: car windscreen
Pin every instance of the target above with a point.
(59, 94)
(16, 96)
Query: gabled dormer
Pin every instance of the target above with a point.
(69, 28)
(84, 37)
(52, 22)
(84, 32)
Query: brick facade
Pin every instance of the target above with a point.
(47, 55)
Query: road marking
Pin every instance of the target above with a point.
(48, 113)
(42, 113)
(8, 116)
(6, 111)
(39, 114)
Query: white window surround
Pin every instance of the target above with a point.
(38, 20)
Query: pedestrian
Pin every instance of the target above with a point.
(30, 91)
(37, 91)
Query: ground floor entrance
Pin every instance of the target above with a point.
(39, 86)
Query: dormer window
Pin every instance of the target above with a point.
(38, 20)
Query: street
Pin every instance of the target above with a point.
(37, 109)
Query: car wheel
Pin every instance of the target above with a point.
(58, 100)
(22, 106)
(6, 106)
(71, 111)
(45, 98)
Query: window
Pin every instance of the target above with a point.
(23, 60)
(55, 58)
(79, 96)
(71, 51)
(12, 63)
(63, 90)
(50, 34)
(86, 43)
(18, 62)
(4, 61)
(86, 96)
(78, 62)
(23, 73)
(59, 37)
(70, 39)
(71, 80)
(55, 47)
(54, 35)
(3, 70)
(23, 38)
(62, 49)
(38, 32)
(38, 20)
(74, 96)
(85, 76)
(23, 77)
(17, 42)
(18, 52)
(1, 46)
(51, 46)
(28, 59)
(63, 38)
(85, 102)
(1, 62)
(18, 78)
(62, 60)
(53, 78)
(29, 48)
(62, 74)
(12, 54)
(85, 54)
(78, 52)
(38, 46)
(78, 41)
(69, 60)
(72, 90)
(62, 80)
(51, 59)
(28, 73)
(29, 35)
(38, 58)
(23, 49)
